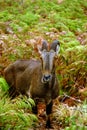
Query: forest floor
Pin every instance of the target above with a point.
(22, 29)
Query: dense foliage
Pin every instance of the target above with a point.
(23, 23)
(15, 114)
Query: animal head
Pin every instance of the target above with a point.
(48, 59)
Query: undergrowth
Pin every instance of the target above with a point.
(72, 118)
(15, 114)
(23, 23)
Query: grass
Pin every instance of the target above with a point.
(22, 25)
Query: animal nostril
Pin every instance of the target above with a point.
(47, 77)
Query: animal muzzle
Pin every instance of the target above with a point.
(46, 78)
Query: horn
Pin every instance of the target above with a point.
(44, 45)
(55, 46)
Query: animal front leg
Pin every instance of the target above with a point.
(34, 108)
(48, 112)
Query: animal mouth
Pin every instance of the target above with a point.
(46, 79)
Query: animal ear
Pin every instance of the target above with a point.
(55, 46)
(44, 46)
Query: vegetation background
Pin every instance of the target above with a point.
(23, 24)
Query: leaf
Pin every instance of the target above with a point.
(4, 84)
(31, 101)
(33, 117)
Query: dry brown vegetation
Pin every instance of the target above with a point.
(23, 27)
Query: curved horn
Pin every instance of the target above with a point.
(55, 46)
(44, 45)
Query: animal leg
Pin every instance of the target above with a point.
(48, 112)
(34, 108)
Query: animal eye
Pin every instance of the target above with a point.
(41, 57)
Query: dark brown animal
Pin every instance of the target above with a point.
(36, 78)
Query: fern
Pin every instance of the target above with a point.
(3, 84)
(15, 114)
